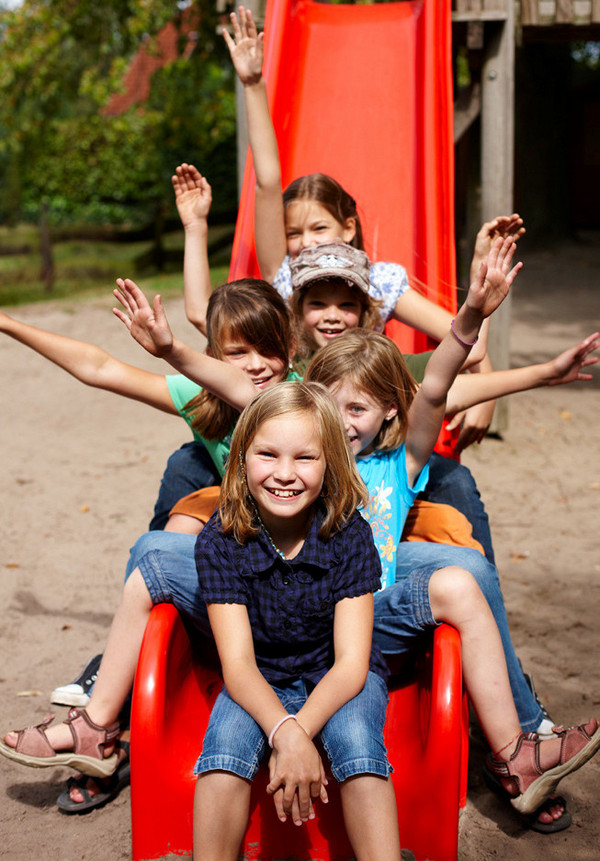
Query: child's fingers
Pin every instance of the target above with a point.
(513, 273)
(278, 802)
(122, 317)
(228, 40)
(235, 24)
(250, 24)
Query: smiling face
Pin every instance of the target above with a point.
(262, 370)
(328, 309)
(285, 468)
(361, 414)
(307, 223)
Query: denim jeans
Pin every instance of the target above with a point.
(352, 738)
(452, 483)
(390, 625)
(188, 469)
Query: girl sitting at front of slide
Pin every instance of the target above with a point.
(287, 539)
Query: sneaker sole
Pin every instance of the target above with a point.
(61, 698)
(544, 786)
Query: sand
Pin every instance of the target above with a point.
(80, 471)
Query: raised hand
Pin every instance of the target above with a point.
(566, 368)
(245, 47)
(494, 278)
(193, 194)
(147, 325)
(503, 226)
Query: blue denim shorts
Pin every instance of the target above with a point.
(166, 562)
(403, 613)
(352, 738)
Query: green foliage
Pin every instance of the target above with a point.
(86, 267)
(60, 63)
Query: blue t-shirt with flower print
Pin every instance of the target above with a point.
(390, 498)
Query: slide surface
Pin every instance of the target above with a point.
(364, 93)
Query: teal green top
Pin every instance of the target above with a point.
(182, 391)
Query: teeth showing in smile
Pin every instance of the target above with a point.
(330, 331)
(284, 494)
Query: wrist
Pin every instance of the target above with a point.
(197, 227)
(278, 726)
(255, 83)
(466, 325)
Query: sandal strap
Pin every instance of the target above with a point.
(90, 739)
(33, 739)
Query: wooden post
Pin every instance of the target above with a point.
(47, 269)
(497, 168)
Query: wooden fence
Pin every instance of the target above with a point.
(536, 12)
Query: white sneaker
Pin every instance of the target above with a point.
(77, 693)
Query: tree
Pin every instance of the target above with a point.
(60, 63)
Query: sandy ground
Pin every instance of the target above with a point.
(80, 470)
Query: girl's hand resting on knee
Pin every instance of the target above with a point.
(297, 776)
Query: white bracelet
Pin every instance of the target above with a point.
(278, 724)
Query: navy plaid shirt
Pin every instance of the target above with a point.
(291, 602)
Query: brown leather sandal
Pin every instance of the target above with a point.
(89, 743)
(522, 775)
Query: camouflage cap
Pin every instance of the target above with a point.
(331, 260)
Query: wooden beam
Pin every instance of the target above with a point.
(497, 168)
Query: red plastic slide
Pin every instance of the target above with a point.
(364, 93)
(425, 736)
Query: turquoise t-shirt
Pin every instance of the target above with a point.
(182, 391)
(390, 498)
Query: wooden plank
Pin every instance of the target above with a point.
(582, 11)
(529, 12)
(564, 12)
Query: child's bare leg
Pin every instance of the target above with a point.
(221, 808)
(371, 818)
(119, 662)
(456, 598)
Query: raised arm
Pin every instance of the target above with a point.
(92, 365)
(485, 294)
(470, 389)
(150, 328)
(246, 49)
(193, 197)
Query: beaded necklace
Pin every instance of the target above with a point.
(268, 536)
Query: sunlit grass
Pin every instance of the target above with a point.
(88, 268)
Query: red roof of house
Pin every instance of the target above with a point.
(176, 39)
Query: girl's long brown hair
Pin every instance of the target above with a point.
(374, 364)
(326, 191)
(252, 310)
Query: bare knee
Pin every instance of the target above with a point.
(135, 592)
(454, 593)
